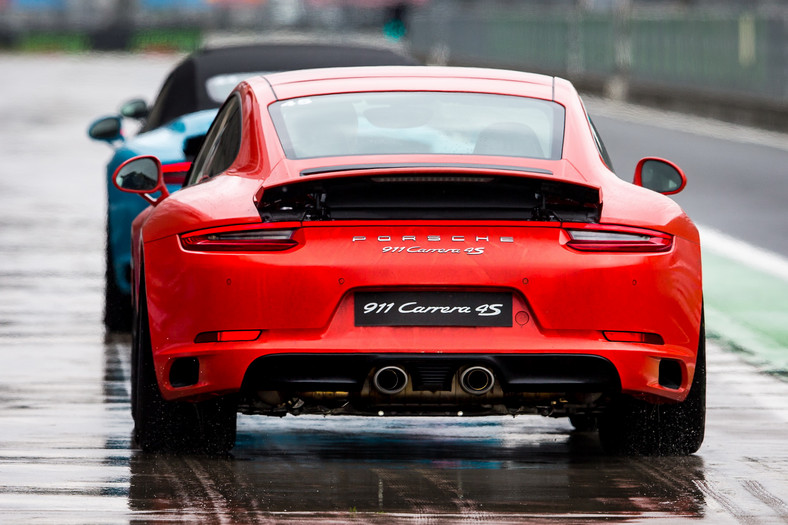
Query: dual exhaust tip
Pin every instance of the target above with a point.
(476, 380)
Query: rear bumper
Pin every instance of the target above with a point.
(608, 369)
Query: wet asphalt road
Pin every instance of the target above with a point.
(736, 175)
(65, 430)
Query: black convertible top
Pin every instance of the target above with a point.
(184, 91)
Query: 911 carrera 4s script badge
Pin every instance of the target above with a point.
(433, 309)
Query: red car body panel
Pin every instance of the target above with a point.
(568, 301)
(301, 300)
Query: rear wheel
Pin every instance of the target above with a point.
(173, 426)
(634, 427)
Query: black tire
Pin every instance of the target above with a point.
(117, 305)
(207, 427)
(632, 427)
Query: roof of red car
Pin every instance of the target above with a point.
(303, 75)
(391, 78)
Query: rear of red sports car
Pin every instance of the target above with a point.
(416, 241)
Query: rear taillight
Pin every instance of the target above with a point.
(618, 239)
(240, 241)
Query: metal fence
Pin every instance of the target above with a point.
(79, 25)
(734, 60)
(729, 57)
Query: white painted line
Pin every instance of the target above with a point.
(737, 250)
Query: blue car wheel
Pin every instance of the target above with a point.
(117, 305)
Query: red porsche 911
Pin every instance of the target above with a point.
(390, 241)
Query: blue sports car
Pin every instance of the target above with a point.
(173, 129)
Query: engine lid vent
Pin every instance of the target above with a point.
(430, 196)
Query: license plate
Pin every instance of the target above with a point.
(433, 309)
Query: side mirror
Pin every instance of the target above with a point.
(107, 129)
(136, 108)
(659, 175)
(142, 175)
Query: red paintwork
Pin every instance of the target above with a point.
(301, 299)
(175, 172)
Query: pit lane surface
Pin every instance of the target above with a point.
(65, 450)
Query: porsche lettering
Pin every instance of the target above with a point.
(434, 238)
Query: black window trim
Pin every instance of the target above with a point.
(208, 150)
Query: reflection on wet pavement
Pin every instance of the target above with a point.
(477, 469)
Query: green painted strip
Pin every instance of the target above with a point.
(747, 309)
(49, 42)
(184, 40)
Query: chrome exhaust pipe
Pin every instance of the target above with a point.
(390, 380)
(477, 380)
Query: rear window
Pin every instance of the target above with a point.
(419, 123)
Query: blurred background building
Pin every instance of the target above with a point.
(726, 57)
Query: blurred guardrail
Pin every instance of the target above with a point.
(731, 65)
(184, 25)
(180, 25)
(725, 58)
